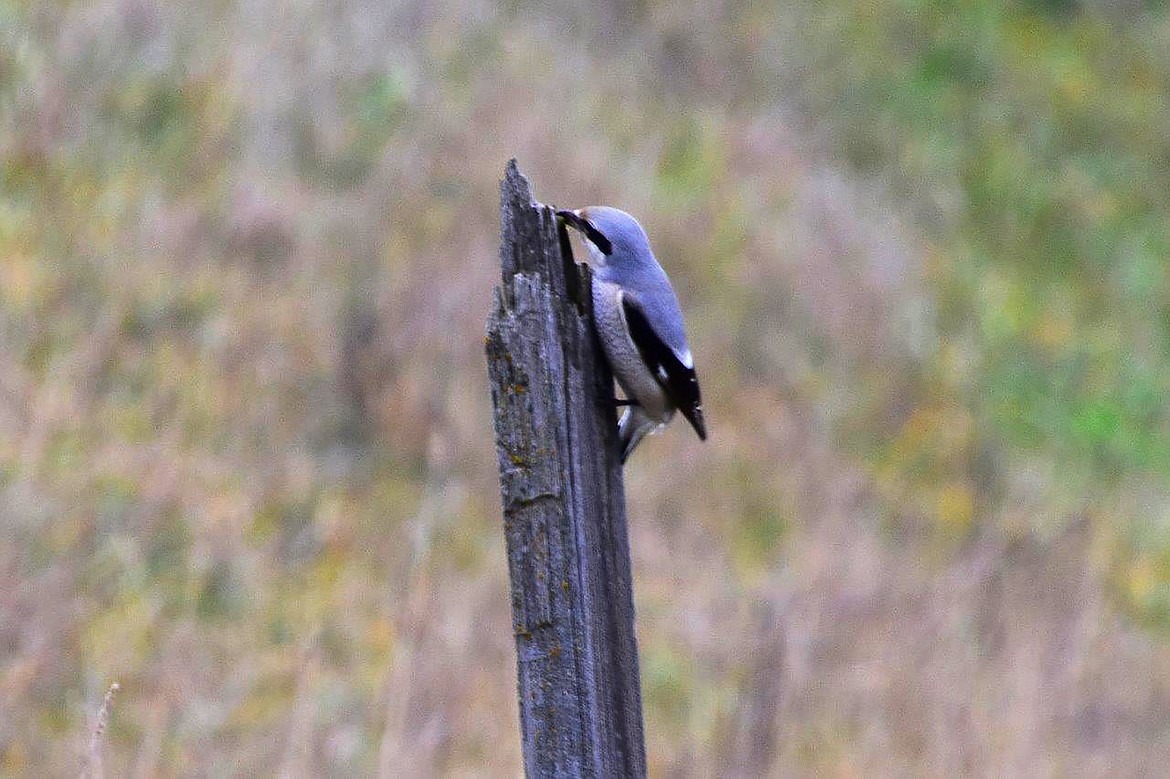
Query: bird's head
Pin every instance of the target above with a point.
(612, 236)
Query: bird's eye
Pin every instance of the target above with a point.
(595, 236)
(599, 240)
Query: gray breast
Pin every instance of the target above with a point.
(633, 375)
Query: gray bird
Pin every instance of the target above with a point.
(640, 325)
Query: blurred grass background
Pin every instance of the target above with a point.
(246, 466)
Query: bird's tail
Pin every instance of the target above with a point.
(632, 428)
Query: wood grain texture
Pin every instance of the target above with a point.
(564, 505)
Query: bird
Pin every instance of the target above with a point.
(640, 325)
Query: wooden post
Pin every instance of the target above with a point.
(564, 505)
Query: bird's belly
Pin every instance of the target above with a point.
(625, 361)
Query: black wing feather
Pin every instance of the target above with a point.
(678, 381)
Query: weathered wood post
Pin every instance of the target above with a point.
(564, 506)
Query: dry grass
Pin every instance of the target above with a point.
(94, 765)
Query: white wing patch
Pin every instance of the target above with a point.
(686, 359)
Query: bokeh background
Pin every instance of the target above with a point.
(246, 460)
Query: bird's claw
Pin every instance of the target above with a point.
(616, 403)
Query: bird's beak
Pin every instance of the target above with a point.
(575, 220)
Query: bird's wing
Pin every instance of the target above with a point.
(677, 379)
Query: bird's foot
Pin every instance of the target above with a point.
(617, 403)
